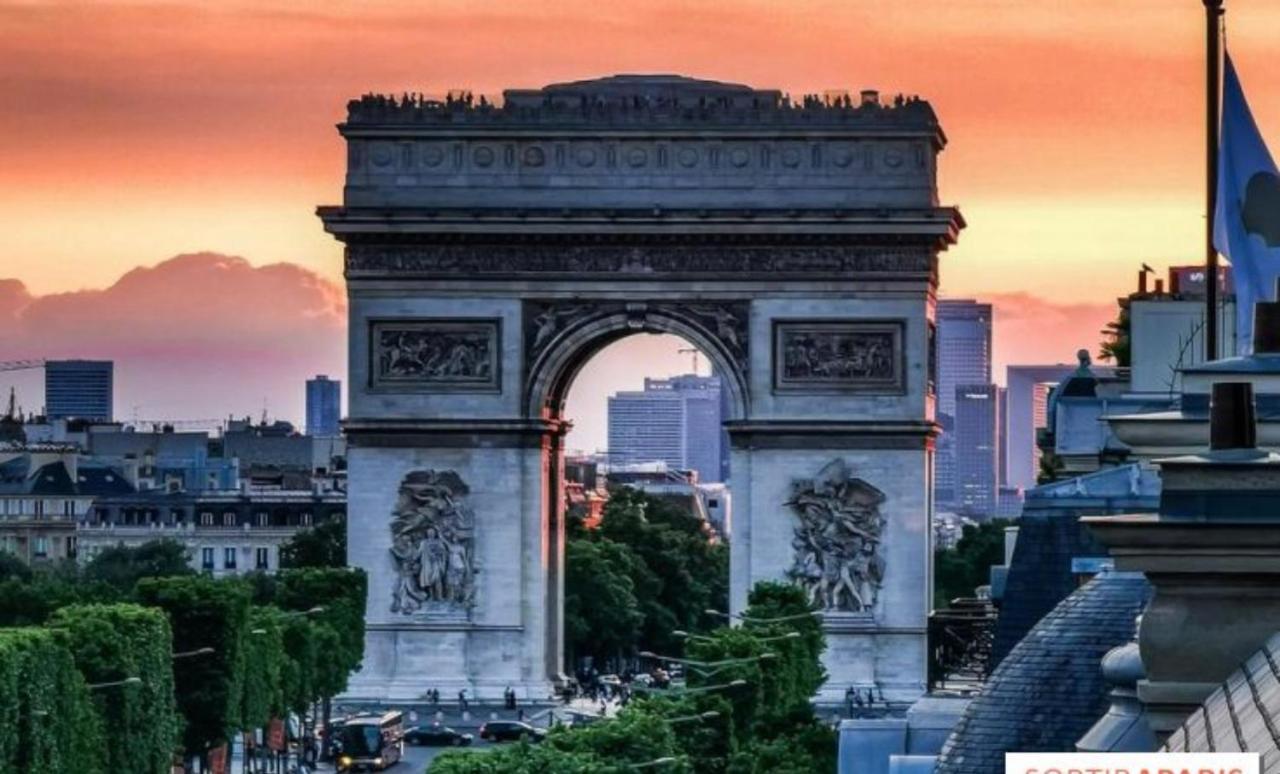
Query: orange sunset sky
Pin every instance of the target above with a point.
(133, 132)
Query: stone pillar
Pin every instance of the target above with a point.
(1212, 554)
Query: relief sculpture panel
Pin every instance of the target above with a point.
(837, 542)
(432, 545)
(854, 356)
(435, 355)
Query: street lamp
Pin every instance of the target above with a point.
(751, 619)
(206, 651)
(690, 636)
(708, 664)
(112, 684)
(687, 691)
(311, 611)
(709, 715)
(655, 762)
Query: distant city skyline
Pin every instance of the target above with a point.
(259, 332)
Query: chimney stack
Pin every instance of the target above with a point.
(1142, 282)
(1232, 419)
(1266, 325)
(1159, 287)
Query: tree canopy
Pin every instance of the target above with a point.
(324, 545)
(958, 571)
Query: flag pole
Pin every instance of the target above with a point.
(1213, 85)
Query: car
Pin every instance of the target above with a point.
(511, 731)
(436, 735)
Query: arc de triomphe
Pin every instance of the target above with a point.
(491, 250)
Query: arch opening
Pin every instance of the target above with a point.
(644, 416)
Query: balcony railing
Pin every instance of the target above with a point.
(960, 644)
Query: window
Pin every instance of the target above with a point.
(228, 518)
(261, 558)
(39, 508)
(713, 503)
(306, 519)
(206, 519)
(262, 519)
(175, 516)
(71, 547)
(40, 547)
(206, 557)
(69, 508)
(229, 558)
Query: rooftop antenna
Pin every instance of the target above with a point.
(13, 402)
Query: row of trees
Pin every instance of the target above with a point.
(958, 571)
(119, 666)
(648, 569)
(746, 709)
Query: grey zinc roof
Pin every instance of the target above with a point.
(1049, 690)
(1243, 715)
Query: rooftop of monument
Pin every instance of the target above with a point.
(647, 100)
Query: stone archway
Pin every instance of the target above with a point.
(491, 251)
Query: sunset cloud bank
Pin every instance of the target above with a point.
(197, 336)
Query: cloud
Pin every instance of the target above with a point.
(1033, 330)
(199, 335)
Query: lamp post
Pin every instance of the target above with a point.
(1213, 83)
(688, 691)
(653, 763)
(206, 651)
(114, 683)
(751, 619)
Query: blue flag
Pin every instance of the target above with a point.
(1246, 223)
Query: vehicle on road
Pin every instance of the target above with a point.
(436, 735)
(369, 742)
(511, 731)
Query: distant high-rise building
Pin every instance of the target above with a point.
(79, 389)
(975, 447)
(964, 348)
(324, 405)
(964, 357)
(677, 421)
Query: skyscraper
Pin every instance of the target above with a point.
(964, 358)
(964, 348)
(324, 406)
(976, 447)
(79, 389)
(676, 421)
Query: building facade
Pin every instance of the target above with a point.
(44, 492)
(324, 406)
(79, 389)
(492, 248)
(225, 533)
(676, 421)
(964, 358)
(976, 447)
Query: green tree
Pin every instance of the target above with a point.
(263, 694)
(47, 721)
(1116, 346)
(958, 571)
(602, 618)
(12, 567)
(121, 566)
(681, 573)
(205, 613)
(324, 545)
(115, 642)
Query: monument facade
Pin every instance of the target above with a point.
(491, 250)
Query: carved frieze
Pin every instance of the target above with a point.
(636, 262)
(837, 539)
(433, 546)
(439, 355)
(723, 321)
(854, 356)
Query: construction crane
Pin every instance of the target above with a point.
(20, 365)
(691, 351)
